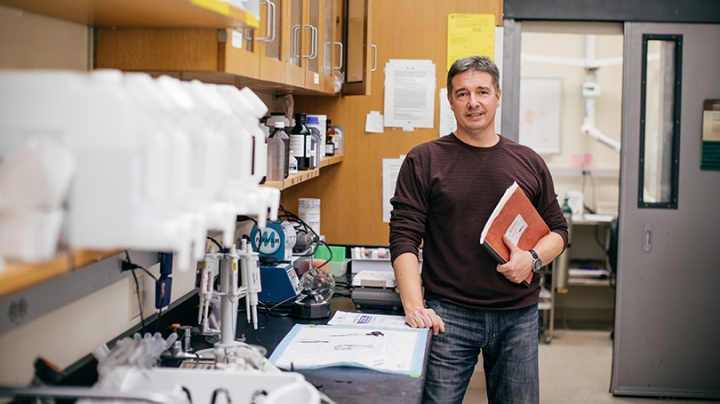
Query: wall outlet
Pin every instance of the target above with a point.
(134, 303)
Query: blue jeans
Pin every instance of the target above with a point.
(508, 340)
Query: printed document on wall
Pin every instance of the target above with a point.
(448, 123)
(470, 35)
(390, 170)
(409, 94)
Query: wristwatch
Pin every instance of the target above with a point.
(537, 262)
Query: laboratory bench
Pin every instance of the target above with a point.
(341, 384)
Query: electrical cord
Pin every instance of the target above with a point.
(243, 218)
(316, 242)
(128, 265)
(215, 242)
(269, 309)
(137, 291)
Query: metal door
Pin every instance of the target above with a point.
(667, 325)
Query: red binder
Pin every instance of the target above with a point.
(516, 217)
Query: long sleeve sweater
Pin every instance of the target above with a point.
(445, 193)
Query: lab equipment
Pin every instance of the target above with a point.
(275, 240)
(376, 289)
(280, 283)
(231, 264)
(237, 386)
(251, 278)
(318, 287)
(163, 285)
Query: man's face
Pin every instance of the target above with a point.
(474, 101)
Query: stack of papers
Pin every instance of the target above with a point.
(381, 343)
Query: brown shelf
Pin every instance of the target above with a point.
(141, 13)
(20, 275)
(303, 176)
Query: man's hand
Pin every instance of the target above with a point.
(519, 266)
(425, 318)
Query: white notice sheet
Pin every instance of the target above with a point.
(390, 170)
(409, 94)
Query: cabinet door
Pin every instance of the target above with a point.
(239, 54)
(360, 54)
(296, 62)
(319, 32)
(272, 44)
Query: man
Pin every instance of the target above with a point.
(446, 190)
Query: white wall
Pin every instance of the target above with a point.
(608, 109)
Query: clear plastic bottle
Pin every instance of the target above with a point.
(329, 141)
(292, 164)
(301, 142)
(279, 133)
(277, 162)
(339, 139)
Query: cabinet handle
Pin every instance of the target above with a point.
(294, 52)
(313, 42)
(270, 32)
(341, 56)
(375, 58)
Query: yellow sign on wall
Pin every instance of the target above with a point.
(214, 5)
(470, 35)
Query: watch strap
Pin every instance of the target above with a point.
(537, 263)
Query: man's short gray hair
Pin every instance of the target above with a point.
(475, 63)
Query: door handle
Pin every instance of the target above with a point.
(647, 238)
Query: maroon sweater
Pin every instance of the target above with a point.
(446, 191)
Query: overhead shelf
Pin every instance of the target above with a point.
(303, 176)
(17, 276)
(141, 13)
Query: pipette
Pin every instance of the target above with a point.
(251, 280)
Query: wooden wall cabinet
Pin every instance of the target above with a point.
(361, 53)
(291, 51)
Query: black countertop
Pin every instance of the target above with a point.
(342, 384)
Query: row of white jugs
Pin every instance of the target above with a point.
(159, 162)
